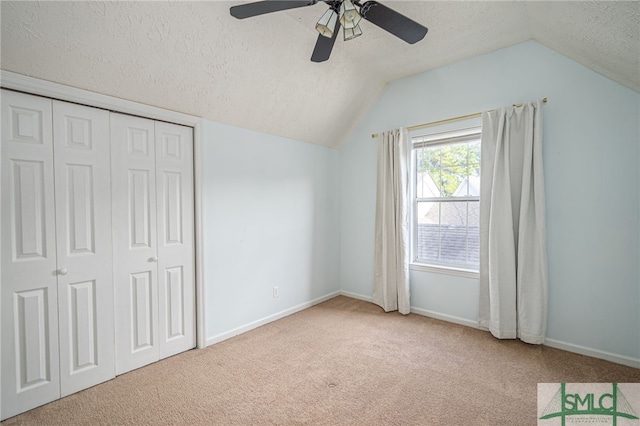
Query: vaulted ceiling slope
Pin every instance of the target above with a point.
(195, 58)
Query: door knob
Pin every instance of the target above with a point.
(153, 259)
(63, 271)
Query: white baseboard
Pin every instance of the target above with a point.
(419, 311)
(266, 320)
(444, 317)
(356, 296)
(594, 353)
(552, 343)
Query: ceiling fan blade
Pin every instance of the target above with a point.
(393, 22)
(261, 7)
(324, 46)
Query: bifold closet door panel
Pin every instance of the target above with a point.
(83, 229)
(135, 249)
(176, 281)
(29, 359)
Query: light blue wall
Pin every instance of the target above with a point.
(591, 152)
(271, 219)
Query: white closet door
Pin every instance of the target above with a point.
(176, 281)
(30, 367)
(133, 177)
(83, 229)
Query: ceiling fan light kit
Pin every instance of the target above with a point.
(327, 24)
(341, 13)
(351, 33)
(349, 16)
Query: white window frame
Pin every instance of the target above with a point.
(420, 139)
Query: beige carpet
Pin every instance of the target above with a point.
(341, 362)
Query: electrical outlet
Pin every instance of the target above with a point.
(275, 292)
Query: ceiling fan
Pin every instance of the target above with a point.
(341, 13)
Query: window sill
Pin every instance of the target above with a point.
(444, 270)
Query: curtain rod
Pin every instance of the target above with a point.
(450, 120)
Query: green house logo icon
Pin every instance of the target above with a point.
(612, 404)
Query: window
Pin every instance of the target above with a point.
(446, 199)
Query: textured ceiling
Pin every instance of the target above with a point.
(195, 58)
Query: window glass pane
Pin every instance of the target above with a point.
(473, 241)
(456, 181)
(429, 169)
(453, 235)
(425, 186)
(428, 229)
(453, 246)
(428, 212)
(426, 173)
(454, 215)
(474, 158)
(474, 214)
(473, 168)
(473, 237)
(447, 231)
(433, 168)
(453, 165)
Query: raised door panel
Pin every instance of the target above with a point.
(82, 324)
(176, 264)
(84, 245)
(142, 318)
(28, 210)
(133, 178)
(29, 323)
(33, 364)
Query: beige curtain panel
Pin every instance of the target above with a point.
(513, 258)
(391, 277)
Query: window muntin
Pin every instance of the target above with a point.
(446, 199)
